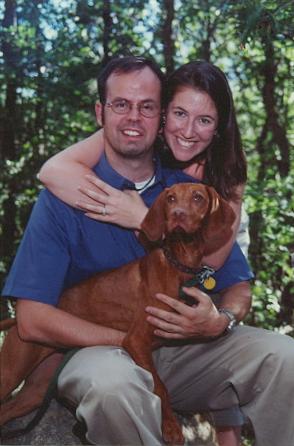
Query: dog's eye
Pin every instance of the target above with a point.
(171, 198)
(197, 197)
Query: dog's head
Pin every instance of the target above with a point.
(189, 208)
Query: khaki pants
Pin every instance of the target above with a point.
(250, 367)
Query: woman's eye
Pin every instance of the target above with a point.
(205, 121)
(180, 113)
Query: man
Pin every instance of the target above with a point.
(61, 247)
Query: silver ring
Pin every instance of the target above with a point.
(104, 210)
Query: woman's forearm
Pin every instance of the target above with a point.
(66, 171)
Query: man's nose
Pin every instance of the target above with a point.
(134, 112)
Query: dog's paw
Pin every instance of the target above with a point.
(172, 432)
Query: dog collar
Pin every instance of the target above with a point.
(202, 277)
(177, 264)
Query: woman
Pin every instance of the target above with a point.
(202, 137)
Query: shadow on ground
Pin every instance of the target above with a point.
(58, 427)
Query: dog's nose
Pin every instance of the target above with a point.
(179, 213)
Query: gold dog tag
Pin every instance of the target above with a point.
(209, 283)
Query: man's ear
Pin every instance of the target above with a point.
(99, 112)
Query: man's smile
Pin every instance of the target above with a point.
(129, 132)
(132, 132)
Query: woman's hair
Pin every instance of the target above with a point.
(225, 163)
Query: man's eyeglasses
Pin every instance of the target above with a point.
(148, 109)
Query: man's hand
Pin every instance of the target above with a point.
(183, 321)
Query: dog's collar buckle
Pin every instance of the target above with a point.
(200, 278)
(201, 273)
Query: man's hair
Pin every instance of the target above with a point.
(127, 64)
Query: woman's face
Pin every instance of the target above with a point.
(191, 122)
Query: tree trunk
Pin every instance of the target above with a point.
(256, 218)
(283, 164)
(8, 131)
(286, 314)
(167, 36)
(270, 103)
(107, 20)
(39, 124)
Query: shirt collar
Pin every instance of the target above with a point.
(106, 172)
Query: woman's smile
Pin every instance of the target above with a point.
(191, 123)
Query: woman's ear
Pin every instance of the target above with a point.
(99, 113)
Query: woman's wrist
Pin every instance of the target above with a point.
(141, 216)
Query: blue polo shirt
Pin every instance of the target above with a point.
(61, 246)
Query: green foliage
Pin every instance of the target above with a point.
(273, 198)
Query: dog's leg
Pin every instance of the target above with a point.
(138, 343)
(7, 323)
(18, 360)
(33, 391)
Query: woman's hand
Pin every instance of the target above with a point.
(183, 321)
(107, 204)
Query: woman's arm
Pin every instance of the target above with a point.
(66, 171)
(69, 176)
(217, 259)
(127, 209)
(124, 208)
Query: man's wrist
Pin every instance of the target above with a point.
(231, 319)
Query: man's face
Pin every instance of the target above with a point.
(130, 135)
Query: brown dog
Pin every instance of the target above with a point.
(191, 220)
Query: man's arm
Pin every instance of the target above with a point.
(237, 299)
(202, 319)
(38, 275)
(39, 322)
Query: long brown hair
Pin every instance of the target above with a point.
(225, 163)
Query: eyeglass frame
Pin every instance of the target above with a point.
(130, 107)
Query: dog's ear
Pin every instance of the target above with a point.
(217, 225)
(153, 224)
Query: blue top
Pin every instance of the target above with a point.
(61, 246)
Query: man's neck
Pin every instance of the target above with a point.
(134, 169)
